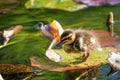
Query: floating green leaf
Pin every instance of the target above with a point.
(54, 4)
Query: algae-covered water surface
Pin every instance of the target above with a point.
(29, 42)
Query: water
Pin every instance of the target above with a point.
(89, 18)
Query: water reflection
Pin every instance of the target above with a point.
(104, 71)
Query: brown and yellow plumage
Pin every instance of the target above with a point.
(79, 41)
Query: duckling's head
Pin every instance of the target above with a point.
(67, 37)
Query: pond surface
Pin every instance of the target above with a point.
(88, 18)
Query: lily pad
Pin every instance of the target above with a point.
(54, 4)
(16, 72)
(73, 61)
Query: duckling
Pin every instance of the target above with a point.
(75, 41)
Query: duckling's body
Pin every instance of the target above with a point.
(79, 41)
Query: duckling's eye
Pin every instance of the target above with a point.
(69, 38)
